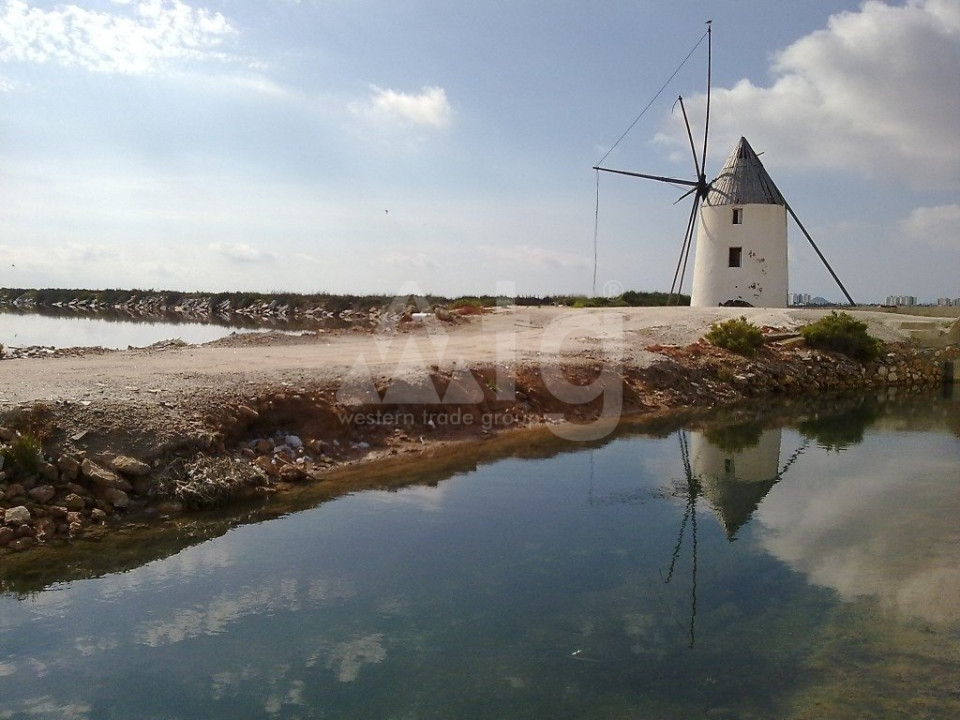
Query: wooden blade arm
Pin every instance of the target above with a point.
(659, 178)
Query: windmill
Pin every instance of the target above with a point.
(740, 221)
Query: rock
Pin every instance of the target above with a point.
(101, 477)
(69, 467)
(263, 446)
(7, 434)
(267, 465)
(291, 473)
(98, 515)
(22, 543)
(49, 472)
(16, 515)
(130, 466)
(293, 442)
(14, 490)
(6, 535)
(74, 502)
(25, 531)
(116, 497)
(46, 529)
(43, 494)
(142, 486)
(247, 413)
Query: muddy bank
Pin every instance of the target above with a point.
(71, 469)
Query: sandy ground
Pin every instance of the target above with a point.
(525, 336)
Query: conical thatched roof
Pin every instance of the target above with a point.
(744, 181)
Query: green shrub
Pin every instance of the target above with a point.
(736, 335)
(24, 454)
(840, 332)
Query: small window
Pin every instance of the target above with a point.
(736, 257)
(738, 216)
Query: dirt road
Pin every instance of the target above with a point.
(505, 337)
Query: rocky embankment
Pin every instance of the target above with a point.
(265, 311)
(55, 485)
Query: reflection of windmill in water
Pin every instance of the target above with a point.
(734, 469)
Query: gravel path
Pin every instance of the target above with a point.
(526, 336)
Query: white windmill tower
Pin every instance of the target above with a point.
(741, 226)
(741, 237)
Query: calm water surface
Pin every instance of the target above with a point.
(807, 571)
(25, 330)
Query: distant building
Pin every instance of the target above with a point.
(800, 299)
(947, 302)
(902, 300)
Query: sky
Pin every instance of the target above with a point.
(374, 146)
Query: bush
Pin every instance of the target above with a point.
(736, 335)
(24, 454)
(840, 332)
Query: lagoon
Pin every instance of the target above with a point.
(803, 566)
(68, 330)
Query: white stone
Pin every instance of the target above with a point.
(17, 515)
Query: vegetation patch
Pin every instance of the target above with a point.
(736, 335)
(24, 454)
(841, 332)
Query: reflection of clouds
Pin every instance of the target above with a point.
(190, 563)
(864, 531)
(421, 496)
(227, 608)
(280, 689)
(347, 658)
(92, 645)
(7, 669)
(292, 695)
(47, 707)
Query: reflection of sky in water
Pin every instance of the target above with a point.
(527, 587)
(864, 530)
(27, 330)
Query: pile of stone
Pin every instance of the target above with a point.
(63, 498)
(43, 351)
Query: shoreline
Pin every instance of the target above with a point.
(131, 454)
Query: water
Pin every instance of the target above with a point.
(117, 329)
(76, 330)
(734, 571)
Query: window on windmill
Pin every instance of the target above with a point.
(736, 257)
(738, 216)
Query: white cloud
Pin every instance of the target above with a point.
(938, 226)
(136, 38)
(411, 260)
(242, 252)
(525, 256)
(429, 107)
(877, 91)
